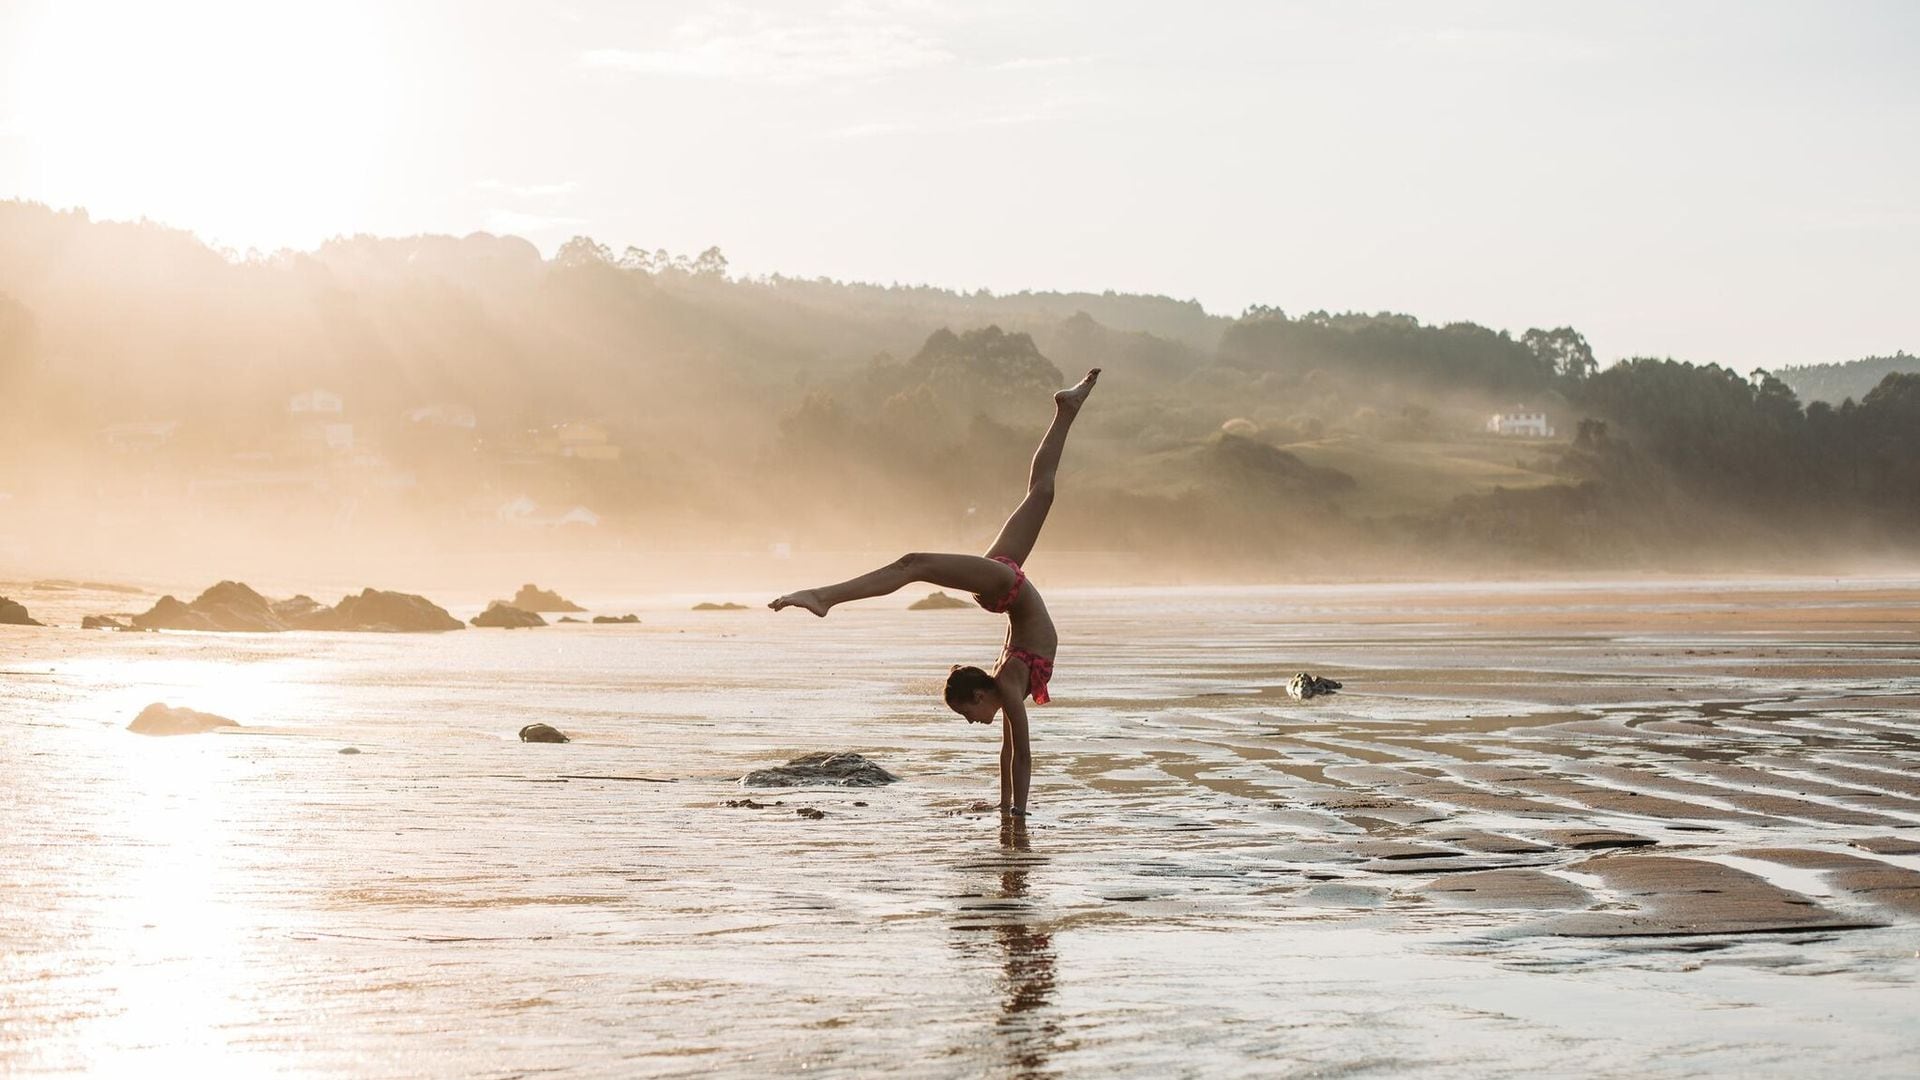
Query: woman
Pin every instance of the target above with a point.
(1000, 586)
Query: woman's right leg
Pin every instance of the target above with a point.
(1022, 529)
(968, 573)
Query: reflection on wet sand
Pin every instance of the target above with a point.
(1026, 1022)
(1027, 1030)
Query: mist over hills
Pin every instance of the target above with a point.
(437, 394)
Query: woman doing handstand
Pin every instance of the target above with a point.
(1000, 586)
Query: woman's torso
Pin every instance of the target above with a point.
(1028, 624)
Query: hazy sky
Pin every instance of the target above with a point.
(1736, 183)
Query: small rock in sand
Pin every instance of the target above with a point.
(101, 622)
(937, 601)
(711, 606)
(542, 733)
(507, 617)
(822, 770)
(604, 619)
(810, 813)
(749, 804)
(158, 719)
(13, 614)
(348, 750)
(1306, 686)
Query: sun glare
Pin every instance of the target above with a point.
(257, 125)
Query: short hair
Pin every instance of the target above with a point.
(963, 682)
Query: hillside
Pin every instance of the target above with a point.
(1835, 383)
(440, 394)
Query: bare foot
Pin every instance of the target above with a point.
(805, 598)
(1070, 399)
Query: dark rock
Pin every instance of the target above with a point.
(542, 733)
(749, 804)
(168, 613)
(386, 612)
(507, 617)
(1306, 686)
(616, 618)
(569, 618)
(158, 719)
(531, 598)
(937, 601)
(811, 813)
(229, 607)
(101, 622)
(710, 606)
(822, 770)
(13, 614)
(348, 750)
(233, 606)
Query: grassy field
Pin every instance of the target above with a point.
(1413, 477)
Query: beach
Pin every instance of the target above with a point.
(1655, 827)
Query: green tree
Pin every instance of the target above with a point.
(1562, 351)
(584, 251)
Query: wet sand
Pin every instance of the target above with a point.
(1666, 829)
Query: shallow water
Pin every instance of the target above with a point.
(1217, 880)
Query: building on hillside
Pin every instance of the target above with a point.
(317, 402)
(318, 424)
(1520, 420)
(586, 440)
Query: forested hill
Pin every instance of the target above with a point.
(460, 388)
(1835, 383)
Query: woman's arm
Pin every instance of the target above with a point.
(1016, 758)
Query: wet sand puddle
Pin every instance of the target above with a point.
(1574, 830)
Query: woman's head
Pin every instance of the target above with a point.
(972, 693)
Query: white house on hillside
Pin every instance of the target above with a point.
(323, 402)
(1520, 421)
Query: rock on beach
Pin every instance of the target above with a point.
(1304, 686)
(159, 719)
(13, 613)
(232, 607)
(542, 733)
(507, 617)
(937, 601)
(533, 598)
(386, 612)
(822, 770)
